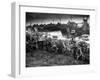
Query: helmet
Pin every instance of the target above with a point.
(85, 19)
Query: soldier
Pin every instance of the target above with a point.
(85, 26)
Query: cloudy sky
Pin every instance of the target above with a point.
(46, 18)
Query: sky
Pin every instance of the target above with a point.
(46, 18)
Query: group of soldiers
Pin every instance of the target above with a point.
(79, 50)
